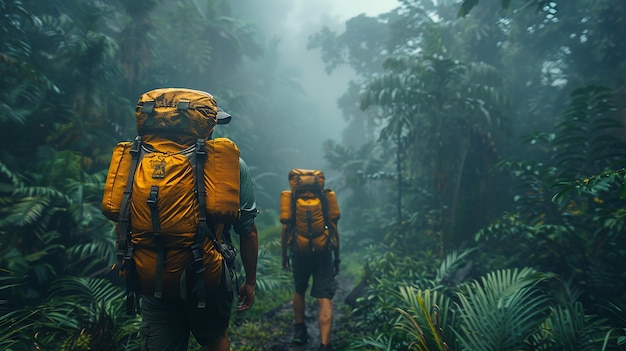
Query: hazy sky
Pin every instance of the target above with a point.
(341, 9)
(293, 21)
(306, 17)
(355, 7)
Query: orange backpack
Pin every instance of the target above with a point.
(171, 191)
(310, 211)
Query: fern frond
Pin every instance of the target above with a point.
(501, 310)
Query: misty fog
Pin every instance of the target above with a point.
(477, 150)
(315, 106)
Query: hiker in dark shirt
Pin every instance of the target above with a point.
(309, 213)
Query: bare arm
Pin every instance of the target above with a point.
(249, 246)
(283, 244)
(337, 261)
(337, 239)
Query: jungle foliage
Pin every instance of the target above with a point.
(499, 136)
(482, 175)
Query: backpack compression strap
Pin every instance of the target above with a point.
(292, 223)
(203, 231)
(332, 232)
(326, 218)
(124, 244)
(309, 227)
(152, 202)
(295, 216)
(309, 235)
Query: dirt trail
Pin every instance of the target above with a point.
(283, 343)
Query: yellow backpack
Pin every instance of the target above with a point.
(310, 211)
(171, 191)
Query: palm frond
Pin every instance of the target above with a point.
(13, 177)
(85, 258)
(572, 329)
(380, 342)
(451, 263)
(425, 318)
(501, 311)
(15, 326)
(268, 278)
(28, 211)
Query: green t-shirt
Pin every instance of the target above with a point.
(247, 201)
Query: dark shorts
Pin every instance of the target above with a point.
(318, 265)
(167, 324)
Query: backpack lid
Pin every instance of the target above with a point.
(306, 179)
(177, 111)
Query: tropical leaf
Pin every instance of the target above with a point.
(501, 311)
(380, 342)
(268, 279)
(571, 329)
(451, 263)
(425, 318)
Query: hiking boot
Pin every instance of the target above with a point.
(327, 347)
(300, 335)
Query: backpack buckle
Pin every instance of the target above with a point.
(148, 107)
(182, 105)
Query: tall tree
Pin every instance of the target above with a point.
(438, 104)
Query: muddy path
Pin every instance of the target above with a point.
(284, 313)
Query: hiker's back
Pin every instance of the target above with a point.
(310, 248)
(310, 211)
(172, 191)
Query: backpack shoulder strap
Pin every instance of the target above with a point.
(291, 226)
(124, 245)
(203, 230)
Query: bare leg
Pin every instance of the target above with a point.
(298, 307)
(325, 319)
(220, 344)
